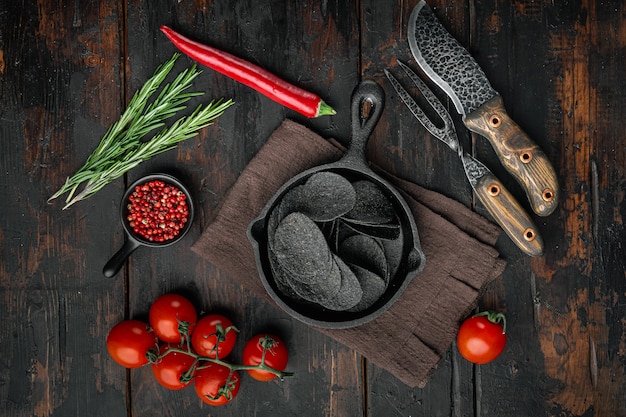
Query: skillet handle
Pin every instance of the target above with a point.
(117, 261)
(368, 100)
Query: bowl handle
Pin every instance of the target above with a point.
(117, 261)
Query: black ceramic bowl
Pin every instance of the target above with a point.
(134, 240)
(353, 166)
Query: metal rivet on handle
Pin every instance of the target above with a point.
(529, 235)
(495, 120)
(526, 156)
(494, 189)
(548, 195)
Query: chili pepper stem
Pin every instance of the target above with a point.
(325, 110)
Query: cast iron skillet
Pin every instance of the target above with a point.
(352, 165)
(133, 241)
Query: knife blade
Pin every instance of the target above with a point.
(449, 65)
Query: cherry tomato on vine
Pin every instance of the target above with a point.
(276, 355)
(173, 370)
(214, 336)
(215, 385)
(170, 315)
(482, 337)
(128, 341)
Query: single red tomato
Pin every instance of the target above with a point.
(172, 369)
(276, 355)
(172, 315)
(128, 341)
(216, 385)
(482, 337)
(214, 336)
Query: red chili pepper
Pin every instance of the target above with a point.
(295, 98)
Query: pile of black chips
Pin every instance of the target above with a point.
(334, 242)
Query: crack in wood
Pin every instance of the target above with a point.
(536, 301)
(456, 383)
(595, 207)
(478, 390)
(593, 362)
(77, 22)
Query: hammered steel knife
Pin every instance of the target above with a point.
(491, 192)
(455, 71)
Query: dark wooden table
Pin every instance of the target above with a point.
(67, 71)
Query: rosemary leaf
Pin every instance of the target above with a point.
(123, 147)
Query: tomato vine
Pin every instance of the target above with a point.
(182, 349)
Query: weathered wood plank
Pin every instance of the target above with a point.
(59, 90)
(551, 60)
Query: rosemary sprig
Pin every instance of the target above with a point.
(123, 146)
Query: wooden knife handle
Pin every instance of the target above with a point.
(509, 214)
(521, 157)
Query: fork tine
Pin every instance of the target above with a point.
(415, 109)
(428, 94)
(447, 133)
(442, 133)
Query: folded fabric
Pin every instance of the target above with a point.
(420, 326)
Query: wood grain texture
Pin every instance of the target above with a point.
(60, 88)
(507, 212)
(552, 77)
(68, 69)
(521, 157)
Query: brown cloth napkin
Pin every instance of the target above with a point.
(419, 328)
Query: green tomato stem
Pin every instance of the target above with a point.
(231, 366)
(154, 355)
(494, 317)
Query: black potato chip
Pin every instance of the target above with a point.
(284, 207)
(282, 282)
(387, 231)
(300, 247)
(393, 253)
(318, 288)
(372, 206)
(365, 252)
(372, 285)
(350, 292)
(326, 196)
